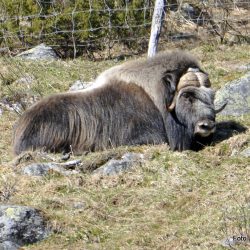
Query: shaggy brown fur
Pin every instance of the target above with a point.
(126, 105)
(112, 115)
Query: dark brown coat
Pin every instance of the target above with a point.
(112, 115)
(126, 105)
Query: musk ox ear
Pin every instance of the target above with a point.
(170, 81)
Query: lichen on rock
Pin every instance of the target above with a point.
(21, 225)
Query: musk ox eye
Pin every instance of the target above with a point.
(188, 96)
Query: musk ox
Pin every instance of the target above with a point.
(166, 98)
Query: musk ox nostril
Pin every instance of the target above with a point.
(205, 128)
(207, 125)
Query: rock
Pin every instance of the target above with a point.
(113, 166)
(21, 225)
(232, 241)
(41, 169)
(8, 245)
(26, 79)
(245, 152)
(79, 85)
(13, 107)
(1, 112)
(40, 52)
(66, 156)
(37, 169)
(228, 242)
(29, 101)
(19, 106)
(79, 205)
(133, 157)
(71, 164)
(244, 67)
(237, 94)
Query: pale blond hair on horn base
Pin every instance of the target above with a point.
(194, 77)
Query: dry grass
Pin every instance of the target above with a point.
(189, 200)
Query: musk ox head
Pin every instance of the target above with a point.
(191, 124)
(193, 77)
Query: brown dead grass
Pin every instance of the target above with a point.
(188, 200)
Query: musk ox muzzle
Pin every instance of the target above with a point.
(204, 128)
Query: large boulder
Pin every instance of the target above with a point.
(20, 225)
(237, 96)
(8, 245)
(246, 152)
(40, 52)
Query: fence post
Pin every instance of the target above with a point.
(158, 16)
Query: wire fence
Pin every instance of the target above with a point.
(104, 28)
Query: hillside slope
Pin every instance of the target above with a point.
(188, 200)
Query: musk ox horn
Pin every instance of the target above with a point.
(202, 77)
(172, 105)
(193, 77)
(188, 79)
(221, 108)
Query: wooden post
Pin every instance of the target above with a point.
(158, 16)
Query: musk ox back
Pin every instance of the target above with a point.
(158, 76)
(143, 102)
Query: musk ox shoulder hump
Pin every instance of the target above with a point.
(158, 76)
